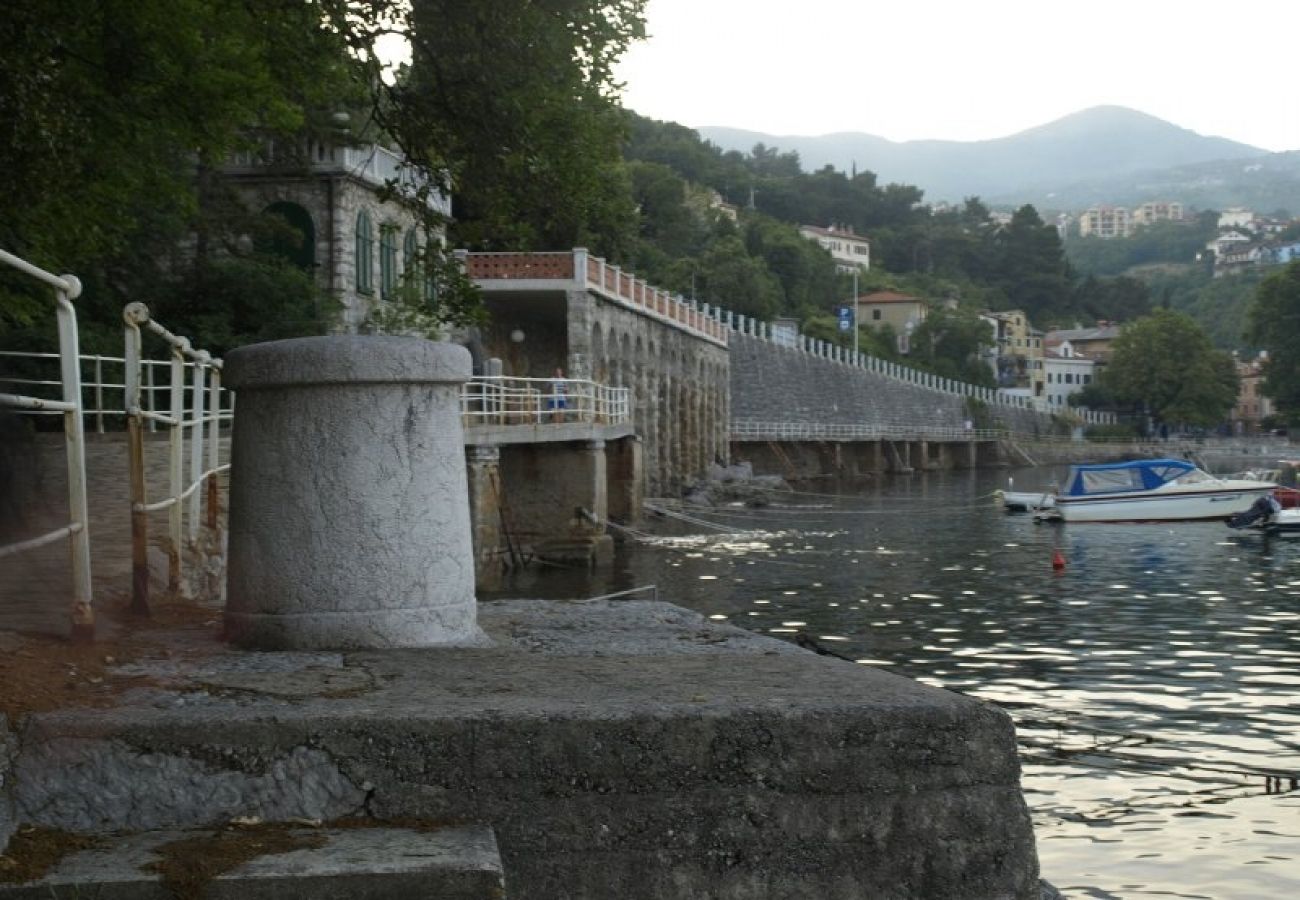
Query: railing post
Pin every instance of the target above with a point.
(580, 267)
(175, 467)
(134, 315)
(83, 614)
(198, 378)
(214, 449)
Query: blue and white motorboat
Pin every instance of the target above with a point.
(1153, 490)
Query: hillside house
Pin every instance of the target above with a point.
(1157, 211)
(850, 251)
(900, 312)
(1019, 352)
(1066, 371)
(1105, 222)
(1093, 343)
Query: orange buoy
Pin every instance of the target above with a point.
(1058, 561)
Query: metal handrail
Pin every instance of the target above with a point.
(757, 430)
(501, 400)
(183, 502)
(66, 289)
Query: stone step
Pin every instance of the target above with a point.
(272, 863)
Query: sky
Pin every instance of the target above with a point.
(966, 70)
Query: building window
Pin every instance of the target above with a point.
(387, 261)
(875, 315)
(365, 252)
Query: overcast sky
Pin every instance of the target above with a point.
(968, 70)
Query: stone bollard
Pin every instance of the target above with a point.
(349, 507)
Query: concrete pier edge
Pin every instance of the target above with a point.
(618, 748)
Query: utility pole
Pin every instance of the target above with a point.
(855, 312)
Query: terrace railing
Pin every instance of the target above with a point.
(202, 419)
(66, 289)
(500, 400)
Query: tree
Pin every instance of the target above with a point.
(1274, 325)
(514, 104)
(731, 278)
(1163, 365)
(949, 343)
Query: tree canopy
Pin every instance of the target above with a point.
(1164, 366)
(1274, 325)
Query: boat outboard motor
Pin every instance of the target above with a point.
(1261, 509)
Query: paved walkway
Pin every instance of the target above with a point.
(36, 586)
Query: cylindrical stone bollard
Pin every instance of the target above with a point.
(349, 506)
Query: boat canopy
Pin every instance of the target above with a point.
(1135, 475)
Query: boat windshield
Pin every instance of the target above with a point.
(1104, 481)
(1139, 475)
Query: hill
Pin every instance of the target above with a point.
(1262, 183)
(1098, 143)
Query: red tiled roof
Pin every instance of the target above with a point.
(888, 297)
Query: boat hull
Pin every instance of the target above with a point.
(1218, 503)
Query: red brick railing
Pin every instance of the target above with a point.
(595, 275)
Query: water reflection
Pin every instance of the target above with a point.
(1149, 677)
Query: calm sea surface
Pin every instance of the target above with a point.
(1155, 681)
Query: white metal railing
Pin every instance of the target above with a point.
(202, 419)
(498, 400)
(66, 289)
(749, 430)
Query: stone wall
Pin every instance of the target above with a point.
(679, 382)
(771, 383)
(333, 202)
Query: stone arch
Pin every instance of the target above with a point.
(287, 231)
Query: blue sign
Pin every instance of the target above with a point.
(846, 318)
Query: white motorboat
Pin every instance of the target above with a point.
(1153, 490)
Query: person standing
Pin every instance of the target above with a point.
(559, 400)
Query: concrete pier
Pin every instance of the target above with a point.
(618, 749)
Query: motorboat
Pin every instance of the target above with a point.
(1154, 490)
(1268, 515)
(1026, 501)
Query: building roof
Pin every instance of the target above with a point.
(846, 233)
(888, 297)
(1099, 333)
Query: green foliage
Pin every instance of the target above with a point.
(730, 277)
(514, 104)
(950, 343)
(223, 304)
(1274, 325)
(1163, 365)
(1159, 242)
(1218, 305)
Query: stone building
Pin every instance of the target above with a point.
(359, 245)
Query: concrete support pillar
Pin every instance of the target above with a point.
(625, 492)
(349, 513)
(483, 471)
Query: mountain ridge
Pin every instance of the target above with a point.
(1088, 145)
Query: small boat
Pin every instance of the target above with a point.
(1154, 490)
(1026, 501)
(1269, 516)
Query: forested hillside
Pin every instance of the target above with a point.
(759, 265)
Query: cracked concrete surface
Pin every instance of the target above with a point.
(618, 748)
